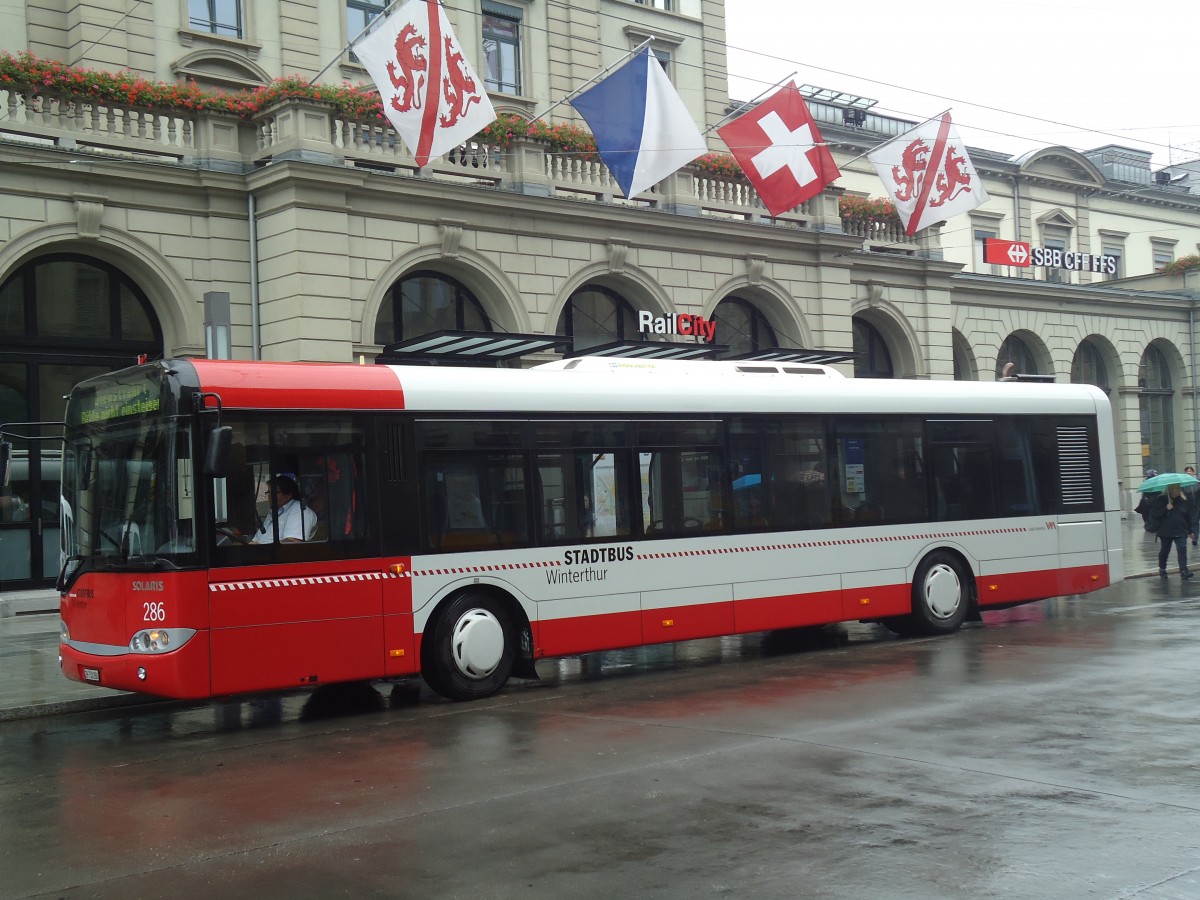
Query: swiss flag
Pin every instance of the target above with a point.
(779, 147)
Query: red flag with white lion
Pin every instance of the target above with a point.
(431, 95)
(928, 174)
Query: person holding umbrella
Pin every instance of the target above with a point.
(1193, 492)
(1172, 518)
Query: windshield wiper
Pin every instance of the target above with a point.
(149, 564)
(112, 540)
(68, 575)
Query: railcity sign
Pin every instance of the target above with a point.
(677, 323)
(1018, 253)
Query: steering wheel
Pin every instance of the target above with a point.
(228, 536)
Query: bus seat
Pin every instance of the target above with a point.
(868, 512)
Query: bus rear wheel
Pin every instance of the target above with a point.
(467, 652)
(941, 594)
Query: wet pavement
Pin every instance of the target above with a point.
(32, 685)
(1050, 753)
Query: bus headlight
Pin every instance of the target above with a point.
(160, 640)
(64, 633)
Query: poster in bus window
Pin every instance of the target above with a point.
(853, 454)
(464, 510)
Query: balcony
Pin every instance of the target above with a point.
(317, 132)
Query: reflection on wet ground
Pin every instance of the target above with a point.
(1047, 752)
(1149, 596)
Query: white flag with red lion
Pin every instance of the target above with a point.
(430, 92)
(928, 174)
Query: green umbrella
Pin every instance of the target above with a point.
(1162, 482)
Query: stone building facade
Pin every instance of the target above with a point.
(295, 233)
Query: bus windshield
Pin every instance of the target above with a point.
(127, 497)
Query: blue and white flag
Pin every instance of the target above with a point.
(642, 129)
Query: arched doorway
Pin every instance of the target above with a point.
(1014, 350)
(63, 318)
(743, 328)
(964, 360)
(596, 315)
(1156, 408)
(1087, 367)
(872, 359)
(424, 302)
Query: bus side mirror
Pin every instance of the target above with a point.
(5, 459)
(216, 454)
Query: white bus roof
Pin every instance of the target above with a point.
(707, 388)
(747, 368)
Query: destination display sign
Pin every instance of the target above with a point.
(116, 401)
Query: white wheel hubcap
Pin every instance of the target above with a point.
(478, 643)
(943, 591)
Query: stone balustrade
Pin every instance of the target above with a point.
(73, 123)
(311, 130)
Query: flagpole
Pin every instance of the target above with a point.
(897, 137)
(599, 74)
(748, 103)
(375, 21)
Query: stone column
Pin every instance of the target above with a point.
(678, 192)
(525, 167)
(826, 215)
(219, 140)
(296, 128)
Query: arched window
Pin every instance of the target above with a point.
(425, 302)
(1156, 407)
(871, 356)
(63, 318)
(743, 328)
(964, 363)
(1016, 351)
(1088, 367)
(597, 315)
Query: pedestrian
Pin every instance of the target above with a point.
(1173, 525)
(1193, 493)
(1146, 506)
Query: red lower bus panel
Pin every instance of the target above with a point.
(1082, 580)
(685, 623)
(182, 673)
(876, 602)
(401, 656)
(1018, 586)
(564, 637)
(787, 611)
(296, 654)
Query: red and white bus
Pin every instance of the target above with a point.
(465, 523)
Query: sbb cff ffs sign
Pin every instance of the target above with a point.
(1019, 253)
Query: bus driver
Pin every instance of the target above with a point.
(296, 523)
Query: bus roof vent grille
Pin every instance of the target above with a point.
(1074, 466)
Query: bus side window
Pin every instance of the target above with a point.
(330, 487)
(324, 455)
(947, 489)
(1015, 475)
(474, 500)
(681, 497)
(581, 494)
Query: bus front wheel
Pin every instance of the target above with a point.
(941, 594)
(467, 651)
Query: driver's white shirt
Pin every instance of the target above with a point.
(295, 522)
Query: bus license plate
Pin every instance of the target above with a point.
(91, 675)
